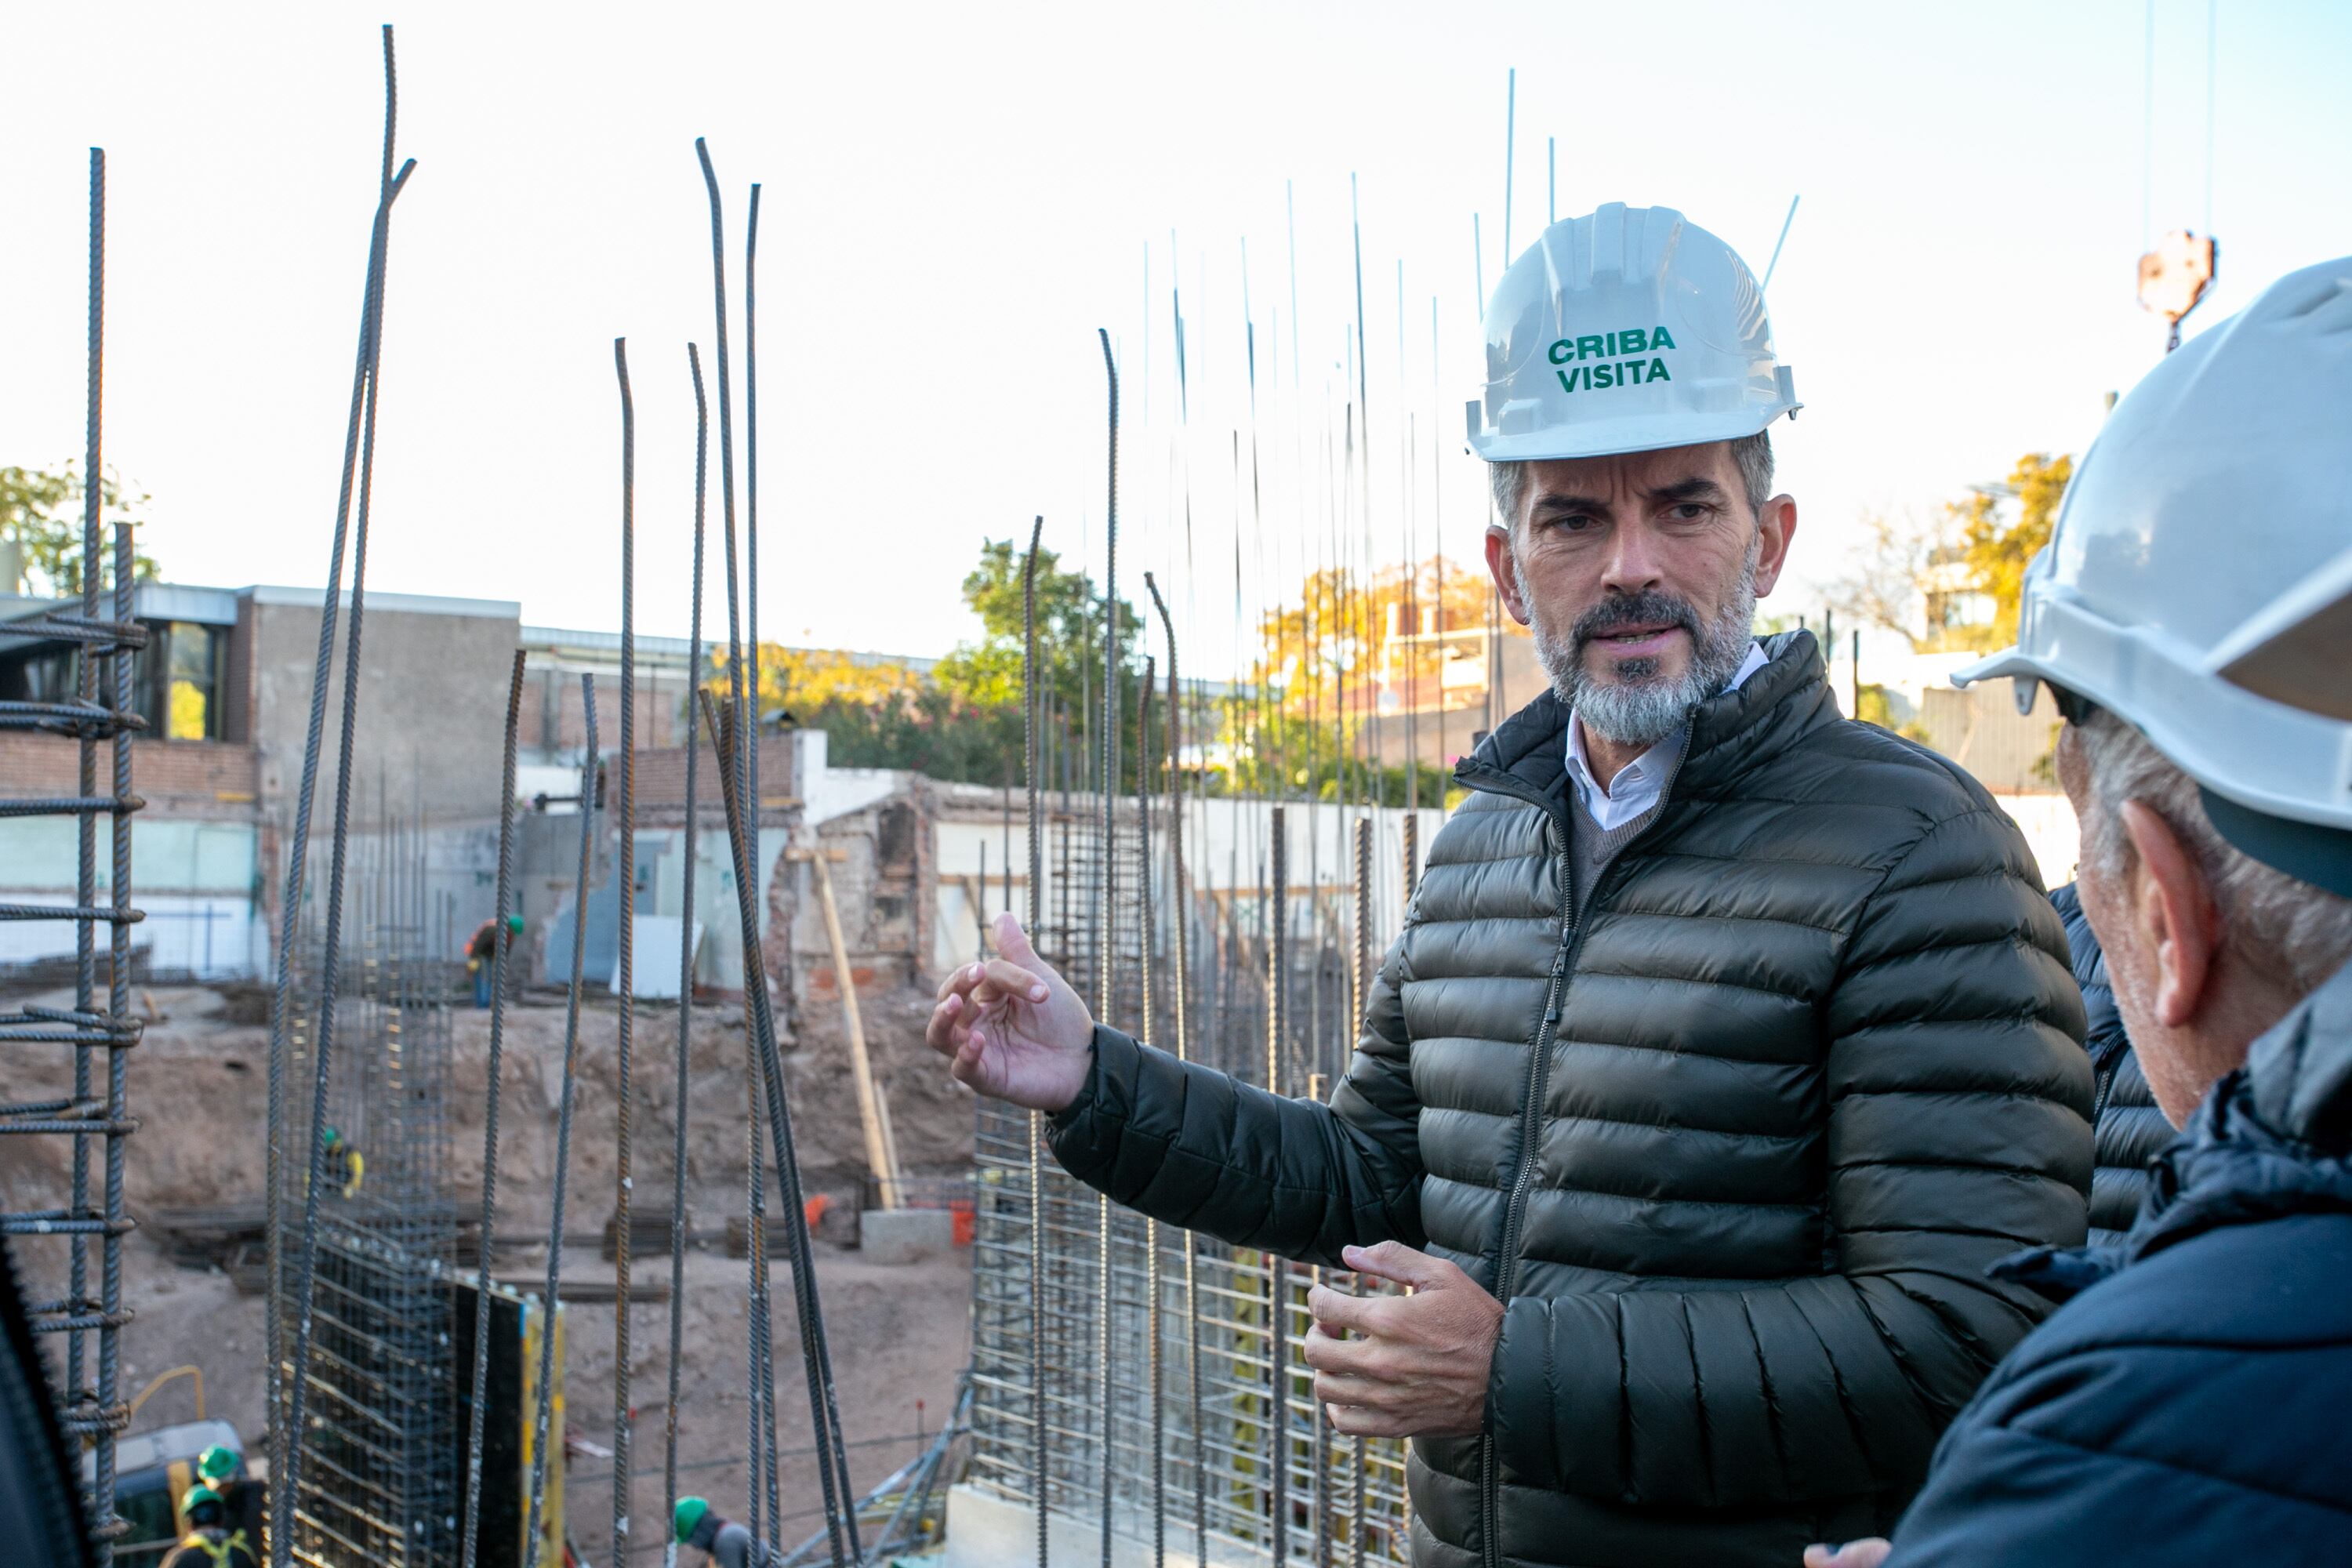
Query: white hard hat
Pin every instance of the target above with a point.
(2216, 501)
(1627, 330)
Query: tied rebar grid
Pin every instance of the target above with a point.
(100, 1033)
(1224, 1455)
(379, 1486)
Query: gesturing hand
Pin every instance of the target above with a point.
(1868, 1554)
(1421, 1364)
(1012, 1027)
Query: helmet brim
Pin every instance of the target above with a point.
(1618, 437)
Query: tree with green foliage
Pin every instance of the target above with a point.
(41, 516)
(963, 721)
(987, 673)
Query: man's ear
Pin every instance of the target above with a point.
(1506, 573)
(2174, 908)
(1776, 526)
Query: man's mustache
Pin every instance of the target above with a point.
(1649, 608)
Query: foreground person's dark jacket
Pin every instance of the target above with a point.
(2128, 1131)
(2190, 1407)
(1735, 1149)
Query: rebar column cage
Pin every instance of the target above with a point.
(379, 1485)
(100, 628)
(1087, 1404)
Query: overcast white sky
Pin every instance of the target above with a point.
(955, 196)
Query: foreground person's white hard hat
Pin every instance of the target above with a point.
(2214, 504)
(1628, 329)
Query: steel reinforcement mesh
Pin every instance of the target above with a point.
(1264, 1476)
(379, 1485)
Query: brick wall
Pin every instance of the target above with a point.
(197, 779)
(661, 783)
(551, 720)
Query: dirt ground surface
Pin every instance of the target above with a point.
(897, 1335)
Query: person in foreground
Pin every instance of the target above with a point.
(2188, 1406)
(1727, 1041)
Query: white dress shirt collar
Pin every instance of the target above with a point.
(1639, 783)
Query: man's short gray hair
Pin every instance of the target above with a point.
(1752, 453)
(2285, 928)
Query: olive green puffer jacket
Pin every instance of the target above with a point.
(1735, 1151)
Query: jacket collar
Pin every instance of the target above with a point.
(1731, 733)
(2272, 1138)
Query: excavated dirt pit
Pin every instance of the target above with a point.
(897, 1335)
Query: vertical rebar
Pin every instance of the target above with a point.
(824, 1409)
(1412, 855)
(1030, 699)
(1276, 914)
(1109, 864)
(118, 968)
(624, 879)
(502, 950)
(1360, 990)
(86, 868)
(1179, 898)
(543, 1406)
(283, 1488)
(1150, 1226)
(764, 1454)
(685, 981)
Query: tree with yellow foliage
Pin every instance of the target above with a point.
(1997, 548)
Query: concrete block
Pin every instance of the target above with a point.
(905, 1236)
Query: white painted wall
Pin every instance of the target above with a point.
(1227, 843)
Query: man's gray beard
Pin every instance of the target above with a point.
(1640, 707)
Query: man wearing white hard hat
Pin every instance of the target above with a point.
(1727, 1041)
(2193, 612)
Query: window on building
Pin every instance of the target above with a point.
(1954, 611)
(179, 680)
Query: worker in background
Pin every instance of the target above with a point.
(720, 1541)
(223, 1469)
(482, 955)
(346, 1167)
(212, 1540)
(2193, 616)
(1727, 1041)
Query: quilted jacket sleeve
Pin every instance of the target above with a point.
(1198, 1148)
(1958, 1100)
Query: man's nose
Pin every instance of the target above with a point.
(1633, 566)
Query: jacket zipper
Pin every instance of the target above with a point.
(1563, 963)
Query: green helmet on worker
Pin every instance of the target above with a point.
(689, 1515)
(219, 1463)
(1627, 330)
(201, 1496)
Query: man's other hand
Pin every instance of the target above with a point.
(1866, 1554)
(1012, 1027)
(1419, 1363)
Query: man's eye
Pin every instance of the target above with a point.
(1689, 511)
(1573, 523)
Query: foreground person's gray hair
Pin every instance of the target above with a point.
(2288, 930)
